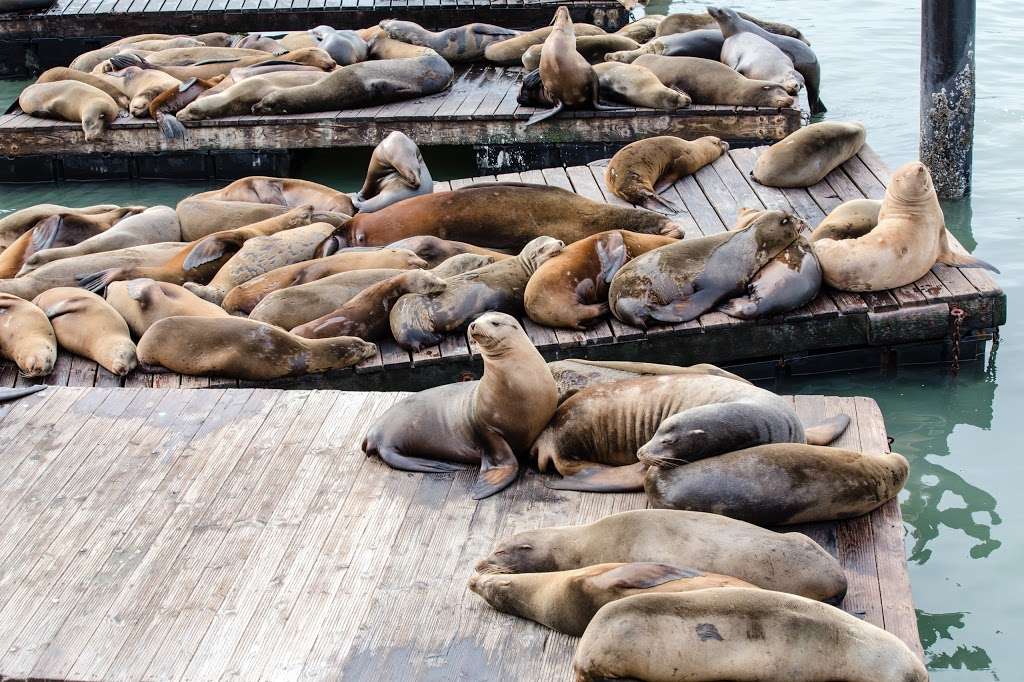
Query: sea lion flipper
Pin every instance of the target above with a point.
(741, 307)
(547, 113)
(657, 198)
(946, 257)
(826, 431)
(396, 460)
(15, 393)
(212, 248)
(600, 478)
(611, 254)
(170, 126)
(498, 467)
(45, 232)
(640, 576)
(98, 281)
(684, 309)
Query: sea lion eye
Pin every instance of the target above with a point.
(785, 221)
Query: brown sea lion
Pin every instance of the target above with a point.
(26, 336)
(260, 255)
(682, 22)
(15, 224)
(575, 374)
(775, 485)
(237, 348)
(637, 86)
(470, 421)
(806, 156)
(755, 57)
(908, 240)
(705, 44)
(366, 314)
(289, 192)
(729, 633)
(460, 44)
(641, 170)
(104, 83)
(681, 281)
(787, 562)
(510, 52)
(849, 220)
(142, 86)
(566, 601)
(164, 106)
(421, 320)
(71, 101)
(144, 302)
(86, 325)
(593, 49)
(571, 289)
(396, 171)
(708, 82)
(153, 225)
(239, 98)
(87, 61)
(523, 211)
(255, 41)
(244, 297)
(642, 29)
(435, 250)
(310, 56)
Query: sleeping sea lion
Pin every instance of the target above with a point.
(460, 44)
(104, 83)
(704, 44)
(641, 170)
(26, 336)
(708, 82)
(72, 101)
(807, 155)
(642, 29)
(239, 98)
(593, 49)
(435, 250)
(682, 22)
(575, 374)
(849, 220)
(755, 57)
(86, 325)
(638, 87)
(510, 52)
(345, 47)
(144, 302)
(15, 224)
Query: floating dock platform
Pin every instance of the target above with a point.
(242, 534)
(33, 41)
(479, 110)
(915, 324)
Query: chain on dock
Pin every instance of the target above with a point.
(958, 314)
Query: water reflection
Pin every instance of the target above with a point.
(936, 626)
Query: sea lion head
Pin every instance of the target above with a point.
(494, 332)
(496, 589)
(911, 182)
(775, 230)
(539, 250)
(722, 14)
(775, 95)
(311, 56)
(423, 282)
(404, 156)
(527, 552)
(96, 116)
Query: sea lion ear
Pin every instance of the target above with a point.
(641, 576)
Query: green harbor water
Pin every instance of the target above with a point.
(961, 506)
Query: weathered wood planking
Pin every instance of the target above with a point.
(241, 534)
(835, 331)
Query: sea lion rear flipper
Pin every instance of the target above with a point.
(640, 576)
(601, 478)
(45, 232)
(15, 393)
(98, 281)
(498, 467)
(396, 460)
(170, 126)
(947, 257)
(742, 307)
(211, 248)
(826, 431)
(547, 113)
(656, 197)
(685, 309)
(611, 255)
(123, 61)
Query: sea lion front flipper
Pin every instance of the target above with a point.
(498, 466)
(601, 478)
(547, 113)
(741, 307)
(657, 198)
(611, 255)
(45, 232)
(212, 248)
(946, 257)
(170, 127)
(15, 393)
(684, 309)
(396, 460)
(640, 576)
(827, 430)
(98, 281)
(595, 98)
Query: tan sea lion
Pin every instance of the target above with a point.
(755, 57)
(104, 83)
(144, 302)
(682, 22)
(908, 240)
(244, 297)
(142, 86)
(239, 98)
(510, 52)
(290, 192)
(806, 156)
(706, 44)
(849, 220)
(164, 107)
(396, 171)
(199, 216)
(460, 44)
(593, 49)
(729, 633)
(571, 289)
(642, 29)
(435, 250)
(637, 86)
(566, 601)
(575, 374)
(775, 485)
(310, 56)
(708, 82)
(237, 348)
(470, 421)
(71, 101)
(787, 562)
(641, 170)
(255, 41)
(26, 336)
(87, 61)
(421, 320)
(87, 325)
(366, 314)
(260, 255)
(523, 211)
(15, 224)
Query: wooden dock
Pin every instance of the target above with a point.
(242, 534)
(36, 40)
(480, 109)
(836, 331)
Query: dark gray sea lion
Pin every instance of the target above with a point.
(345, 47)
(806, 156)
(397, 171)
(705, 44)
(448, 427)
(708, 82)
(460, 44)
(755, 57)
(679, 282)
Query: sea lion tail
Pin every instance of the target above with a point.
(170, 126)
(546, 114)
(96, 282)
(826, 431)
(963, 260)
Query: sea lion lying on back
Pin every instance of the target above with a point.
(460, 44)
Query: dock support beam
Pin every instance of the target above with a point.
(947, 94)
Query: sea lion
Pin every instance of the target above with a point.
(395, 72)
(87, 325)
(593, 49)
(571, 289)
(642, 29)
(144, 302)
(88, 61)
(200, 260)
(366, 314)
(239, 98)
(573, 375)
(908, 240)
(523, 211)
(775, 485)
(72, 101)
(289, 307)
(729, 633)
(345, 47)
(155, 224)
(510, 52)
(566, 601)
(396, 171)
(849, 220)
(641, 170)
(164, 106)
(681, 22)
(421, 320)
(26, 336)
(189, 56)
(594, 438)
(470, 421)
(681, 281)
(244, 297)
(237, 348)
(310, 56)
(256, 41)
(708, 82)
(788, 281)
(704, 44)
(460, 44)
(66, 271)
(807, 155)
(104, 83)
(638, 87)
(787, 562)
(263, 189)
(15, 224)
(803, 57)
(435, 250)
(755, 57)
(142, 86)
(260, 255)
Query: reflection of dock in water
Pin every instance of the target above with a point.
(200, 534)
